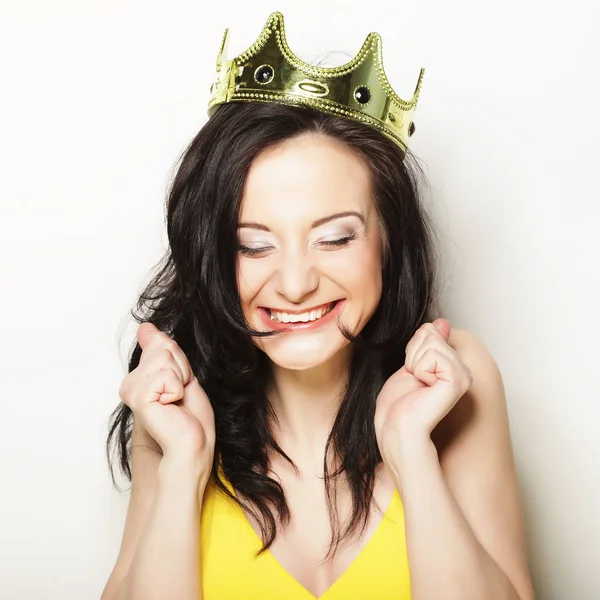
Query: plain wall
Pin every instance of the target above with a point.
(99, 100)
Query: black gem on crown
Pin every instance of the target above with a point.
(362, 94)
(411, 128)
(264, 74)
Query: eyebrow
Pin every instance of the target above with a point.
(317, 223)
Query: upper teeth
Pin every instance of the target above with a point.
(312, 315)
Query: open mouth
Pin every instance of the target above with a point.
(306, 317)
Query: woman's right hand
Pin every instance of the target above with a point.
(166, 397)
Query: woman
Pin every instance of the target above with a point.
(295, 423)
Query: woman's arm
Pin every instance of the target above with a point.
(464, 524)
(160, 553)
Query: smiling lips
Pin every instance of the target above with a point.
(304, 317)
(277, 319)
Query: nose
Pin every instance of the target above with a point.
(296, 278)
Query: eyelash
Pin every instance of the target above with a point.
(245, 250)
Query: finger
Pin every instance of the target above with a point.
(180, 359)
(443, 327)
(156, 358)
(151, 338)
(172, 386)
(417, 352)
(412, 346)
(416, 341)
(164, 384)
(146, 333)
(435, 341)
(433, 366)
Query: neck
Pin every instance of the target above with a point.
(305, 404)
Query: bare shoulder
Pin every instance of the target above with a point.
(474, 354)
(476, 456)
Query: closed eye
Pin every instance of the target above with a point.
(247, 251)
(340, 241)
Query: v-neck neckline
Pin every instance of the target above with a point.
(347, 571)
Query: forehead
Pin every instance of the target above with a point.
(303, 179)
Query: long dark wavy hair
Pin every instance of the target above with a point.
(193, 298)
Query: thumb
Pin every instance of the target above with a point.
(443, 326)
(146, 331)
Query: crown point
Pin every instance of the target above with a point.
(276, 19)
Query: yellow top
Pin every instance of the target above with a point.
(230, 570)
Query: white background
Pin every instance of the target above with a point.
(97, 101)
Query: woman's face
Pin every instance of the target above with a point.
(310, 249)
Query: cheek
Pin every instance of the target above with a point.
(368, 275)
(251, 276)
(358, 269)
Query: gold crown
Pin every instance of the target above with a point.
(359, 90)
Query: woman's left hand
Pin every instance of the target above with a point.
(421, 393)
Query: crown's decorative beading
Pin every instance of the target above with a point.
(358, 90)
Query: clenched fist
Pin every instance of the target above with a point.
(166, 397)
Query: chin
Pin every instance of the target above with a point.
(299, 354)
